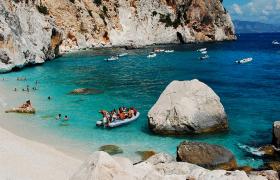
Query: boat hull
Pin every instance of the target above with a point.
(117, 123)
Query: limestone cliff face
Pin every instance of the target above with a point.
(32, 31)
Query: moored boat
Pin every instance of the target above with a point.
(275, 42)
(158, 50)
(204, 57)
(152, 55)
(122, 54)
(203, 52)
(202, 49)
(169, 51)
(113, 58)
(243, 61)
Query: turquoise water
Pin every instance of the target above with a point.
(250, 94)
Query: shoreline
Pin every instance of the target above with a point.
(41, 161)
(124, 47)
(28, 131)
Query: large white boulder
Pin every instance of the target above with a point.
(187, 107)
(102, 166)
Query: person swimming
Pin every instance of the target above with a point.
(49, 98)
(66, 118)
(58, 117)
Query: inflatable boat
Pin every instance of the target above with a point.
(118, 122)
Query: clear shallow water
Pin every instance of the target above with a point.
(250, 94)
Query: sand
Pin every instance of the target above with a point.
(23, 159)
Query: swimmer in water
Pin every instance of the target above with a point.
(66, 118)
(58, 117)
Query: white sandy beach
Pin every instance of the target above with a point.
(27, 160)
(23, 159)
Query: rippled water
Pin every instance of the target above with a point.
(250, 94)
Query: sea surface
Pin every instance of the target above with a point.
(249, 92)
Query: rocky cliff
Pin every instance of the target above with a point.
(32, 31)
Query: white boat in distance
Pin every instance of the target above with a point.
(113, 58)
(122, 54)
(203, 52)
(152, 55)
(119, 122)
(202, 49)
(169, 51)
(159, 50)
(275, 42)
(243, 61)
(204, 57)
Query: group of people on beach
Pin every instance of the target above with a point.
(120, 114)
(21, 79)
(27, 86)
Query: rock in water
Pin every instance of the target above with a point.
(85, 91)
(111, 149)
(22, 110)
(268, 150)
(206, 155)
(187, 107)
(146, 154)
(276, 134)
(274, 165)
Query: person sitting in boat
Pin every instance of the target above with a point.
(122, 116)
(114, 115)
(105, 115)
(130, 113)
(134, 110)
(120, 110)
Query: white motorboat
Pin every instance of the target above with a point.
(159, 50)
(243, 61)
(275, 42)
(169, 51)
(152, 55)
(204, 57)
(122, 54)
(113, 58)
(204, 52)
(202, 49)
